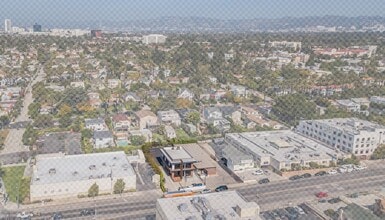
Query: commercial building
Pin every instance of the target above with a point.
(154, 39)
(96, 33)
(177, 162)
(66, 176)
(237, 160)
(7, 26)
(36, 27)
(280, 149)
(223, 205)
(350, 135)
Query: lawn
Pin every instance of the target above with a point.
(13, 179)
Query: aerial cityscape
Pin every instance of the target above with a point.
(182, 115)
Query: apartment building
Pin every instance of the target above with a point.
(350, 135)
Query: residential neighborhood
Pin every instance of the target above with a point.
(191, 126)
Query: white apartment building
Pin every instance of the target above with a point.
(7, 26)
(350, 135)
(64, 176)
(154, 39)
(169, 117)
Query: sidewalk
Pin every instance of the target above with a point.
(13, 206)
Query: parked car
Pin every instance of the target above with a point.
(292, 211)
(321, 195)
(321, 173)
(300, 210)
(57, 216)
(24, 215)
(306, 175)
(86, 212)
(206, 191)
(295, 177)
(358, 167)
(322, 201)
(334, 200)
(258, 172)
(332, 172)
(265, 180)
(221, 188)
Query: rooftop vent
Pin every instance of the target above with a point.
(52, 171)
(75, 173)
(92, 167)
(104, 164)
(183, 207)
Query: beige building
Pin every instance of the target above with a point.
(146, 119)
(64, 176)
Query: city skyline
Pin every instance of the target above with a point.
(58, 12)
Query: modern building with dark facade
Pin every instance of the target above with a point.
(36, 27)
(96, 33)
(177, 162)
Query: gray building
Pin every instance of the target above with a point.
(223, 205)
(65, 176)
(281, 149)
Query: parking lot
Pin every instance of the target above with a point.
(250, 176)
(146, 173)
(300, 212)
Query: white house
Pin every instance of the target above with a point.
(96, 124)
(186, 94)
(170, 132)
(103, 139)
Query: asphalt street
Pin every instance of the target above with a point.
(13, 143)
(268, 196)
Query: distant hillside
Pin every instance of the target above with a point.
(200, 24)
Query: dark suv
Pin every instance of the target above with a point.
(295, 177)
(266, 180)
(221, 188)
(321, 173)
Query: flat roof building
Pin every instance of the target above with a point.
(177, 162)
(64, 176)
(351, 135)
(280, 149)
(223, 205)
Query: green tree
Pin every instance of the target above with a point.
(65, 121)
(86, 133)
(119, 186)
(33, 109)
(93, 190)
(43, 121)
(292, 108)
(4, 120)
(138, 140)
(193, 117)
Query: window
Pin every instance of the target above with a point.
(362, 145)
(356, 152)
(368, 145)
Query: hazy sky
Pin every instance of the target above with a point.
(30, 11)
